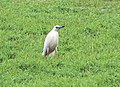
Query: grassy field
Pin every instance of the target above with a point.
(89, 45)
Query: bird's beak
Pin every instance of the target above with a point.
(61, 27)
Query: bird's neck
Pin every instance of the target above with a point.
(54, 29)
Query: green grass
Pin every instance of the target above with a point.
(89, 45)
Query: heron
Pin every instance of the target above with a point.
(51, 42)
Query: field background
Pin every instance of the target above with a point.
(89, 45)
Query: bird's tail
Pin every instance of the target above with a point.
(43, 54)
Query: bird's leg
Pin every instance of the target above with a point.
(47, 53)
(56, 52)
(57, 55)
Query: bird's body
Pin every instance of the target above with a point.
(51, 41)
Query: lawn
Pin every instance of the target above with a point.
(89, 45)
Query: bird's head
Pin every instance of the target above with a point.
(57, 27)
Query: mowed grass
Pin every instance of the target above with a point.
(89, 45)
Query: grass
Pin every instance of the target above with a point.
(89, 45)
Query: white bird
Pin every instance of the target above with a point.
(51, 41)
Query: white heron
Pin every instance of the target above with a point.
(51, 41)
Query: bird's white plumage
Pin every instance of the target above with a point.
(51, 41)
